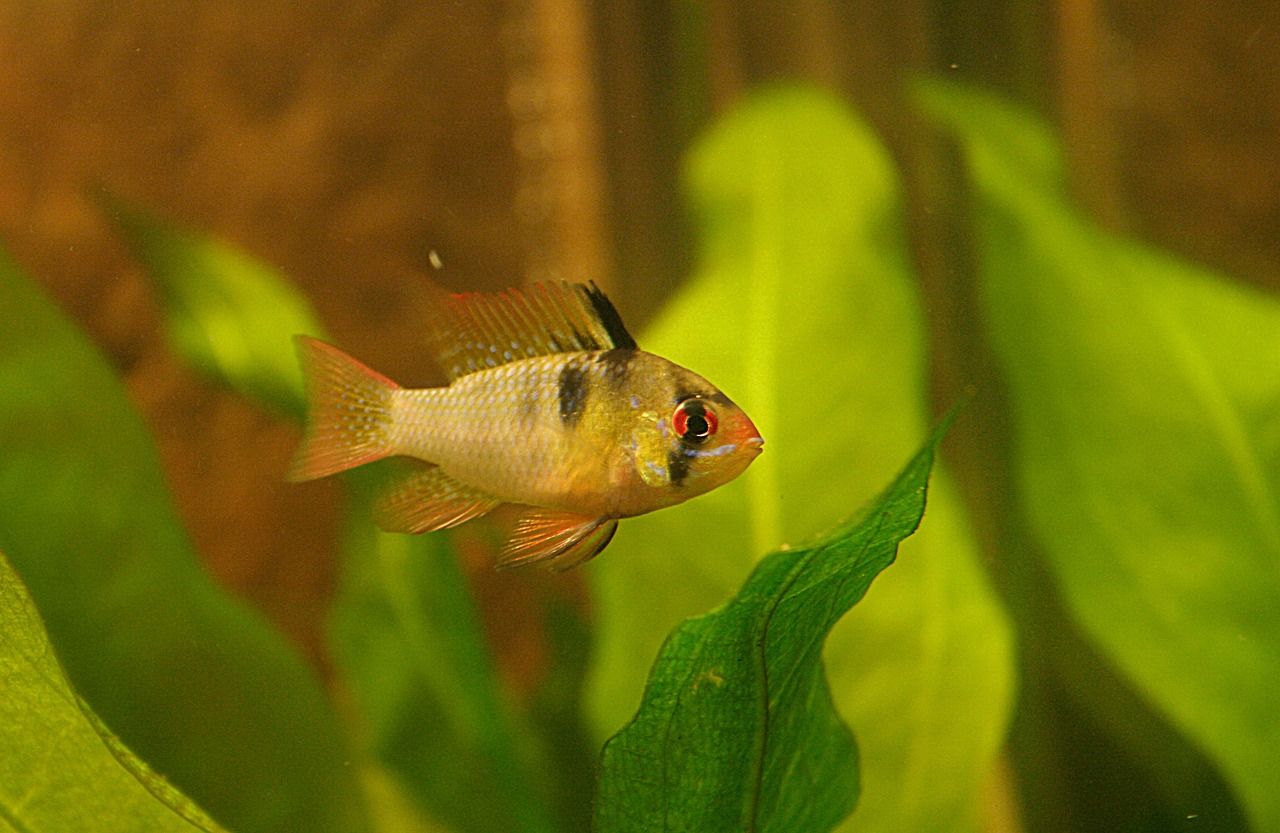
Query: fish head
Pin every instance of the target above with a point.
(716, 440)
(696, 438)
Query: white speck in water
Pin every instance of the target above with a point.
(434, 257)
(954, 66)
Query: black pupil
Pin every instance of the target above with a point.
(696, 425)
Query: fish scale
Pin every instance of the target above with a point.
(481, 431)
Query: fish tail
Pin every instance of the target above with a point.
(349, 407)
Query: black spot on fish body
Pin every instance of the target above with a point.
(678, 460)
(572, 386)
(609, 317)
(616, 363)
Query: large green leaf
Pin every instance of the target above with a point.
(62, 769)
(804, 311)
(191, 680)
(408, 640)
(229, 314)
(737, 730)
(1146, 397)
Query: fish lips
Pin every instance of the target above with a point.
(745, 436)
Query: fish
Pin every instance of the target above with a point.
(550, 405)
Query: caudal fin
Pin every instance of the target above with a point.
(348, 412)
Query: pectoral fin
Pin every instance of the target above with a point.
(427, 500)
(560, 540)
(652, 450)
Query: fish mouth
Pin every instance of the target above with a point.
(754, 444)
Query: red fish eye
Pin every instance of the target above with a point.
(693, 421)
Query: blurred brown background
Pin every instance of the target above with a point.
(345, 142)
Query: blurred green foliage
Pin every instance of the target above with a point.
(1145, 396)
(228, 314)
(409, 641)
(194, 682)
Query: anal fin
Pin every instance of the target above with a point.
(428, 499)
(558, 540)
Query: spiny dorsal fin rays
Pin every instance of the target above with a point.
(474, 331)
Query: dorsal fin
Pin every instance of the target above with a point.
(477, 330)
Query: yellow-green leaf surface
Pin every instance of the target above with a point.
(737, 730)
(803, 310)
(1146, 394)
(60, 769)
(193, 681)
(390, 810)
(229, 314)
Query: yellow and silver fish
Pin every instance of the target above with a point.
(550, 405)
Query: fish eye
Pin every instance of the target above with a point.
(693, 421)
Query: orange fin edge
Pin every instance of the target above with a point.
(556, 540)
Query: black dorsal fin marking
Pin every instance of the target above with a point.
(608, 315)
(475, 331)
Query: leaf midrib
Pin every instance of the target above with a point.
(761, 656)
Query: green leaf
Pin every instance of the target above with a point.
(194, 682)
(803, 309)
(409, 642)
(737, 730)
(62, 769)
(1146, 394)
(228, 314)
